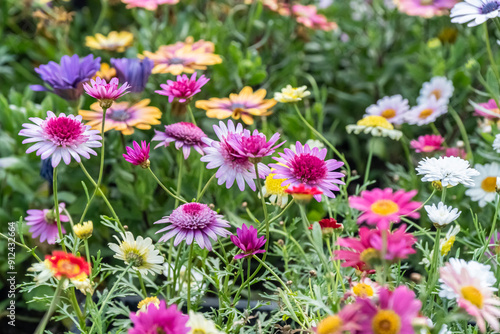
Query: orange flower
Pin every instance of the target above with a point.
(66, 265)
(106, 72)
(243, 105)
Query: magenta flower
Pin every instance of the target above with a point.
(61, 137)
(253, 146)
(43, 224)
(455, 152)
(491, 106)
(248, 241)
(105, 92)
(138, 155)
(159, 320)
(308, 167)
(185, 135)
(183, 89)
(382, 206)
(194, 221)
(427, 143)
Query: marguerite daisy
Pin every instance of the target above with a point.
(485, 184)
(450, 171)
(391, 108)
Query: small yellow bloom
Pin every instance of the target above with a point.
(376, 126)
(83, 283)
(290, 94)
(106, 72)
(115, 41)
(84, 230)
(434, 43)
(143, 304)
(275, 191)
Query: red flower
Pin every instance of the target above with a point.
(328, 223)
(303, 193)
(67, 265)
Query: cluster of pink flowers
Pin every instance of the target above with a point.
(434, 143)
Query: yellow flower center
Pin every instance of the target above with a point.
(199, 331)
(369, 255)
(329, 325)
(473, 295)
(388, 113)
(273, 186)
(384, 207)
(66, 268)
(426, 2)
(363, 290)
(446, 247)
(145, 302)
(436, 92)
(375, 121)
(425, 113)
(489, 184)
(386, 322)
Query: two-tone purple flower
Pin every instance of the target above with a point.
(248, 241)
(183, 88)
(43, 224)
(135, 72)
(184, 135)
(253, 146)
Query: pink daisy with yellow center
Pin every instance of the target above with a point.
(427, 143)
(426, 8)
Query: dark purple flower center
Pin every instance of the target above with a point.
(193, 216)
(119, 115)
(308, 168)
(64, 131)
(489, 7)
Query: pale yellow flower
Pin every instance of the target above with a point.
(115, 41)
(377, 126)
(290, 94)
(84, 230)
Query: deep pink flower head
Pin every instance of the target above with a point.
(427, 143)
(103, 91)
(148, 4)
(159, 320)
(194, 221)
(455, 152)
(346, 321)
(43, 224)
(382, 206)
(248, 241)
(366, 252)
(426, 8)
(393, 312)
(491, 106)
(185, 135)
(182, 89)
(308, 166)
(253, 145)
(138, 155)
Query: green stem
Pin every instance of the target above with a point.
(249, 260)
(101, 166)
(87, 253)
(31, 250)
(264, 207)
(76, 307)
(368, 163)
(141, 281)
(490, 54)
(56, 208)
(191, 115)
(205, 188)
(188, 273)
(282, 211)
(434, 269)
(102, 15)
(180, 162)
(306, 224)
(463, 133)
(165, 188)
(493, 226)
(41, 327)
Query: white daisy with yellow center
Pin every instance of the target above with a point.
(439, 87)
(485, 184)
(275, 191)
(83, 283)
(290, 94)
(427, 111)
(365, 288)
(392, 108)
(200, 325)
(377, 126)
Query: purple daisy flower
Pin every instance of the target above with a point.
(66, 79)
(159, 319)
(106, 92)
(134, 71)
(185, 135)
(43, 224)
(232, 166)
(138, 155)
(308, 167)
(182, 89)
(61, 137)
(253, 145)
(194, 221)
(248, 241)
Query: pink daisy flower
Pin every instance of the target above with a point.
(248, 241)
(61, 137)
(232, 166)
(148, 4)
(308, 167)
(159, 319)
(455, 152)
(382, 206)
(309, 17)
(366, 252)
(183, 89)
(427, 143)
(426, 8)
(185, 135)
(43, 224)
(138, 155)
(347, 320)
(491, 106)
(253, 146)
(105, 92)
(393, 312)
(194, 221)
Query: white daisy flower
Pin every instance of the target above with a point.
(427, 111)
(484, 189)
(474, 11)
(391, 108)
(200, 325)
(290, 94)
(376, 126)
(441, 215)
(439, 87)
(312, 144)
(43, 271)
(450, 171)
(140, 252)
(83, 284)
(496, 143)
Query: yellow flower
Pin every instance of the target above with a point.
(83, 283)
(376, 126)
(84, 230)
(143, 304)
(290, 94)
(275, 191)
(106, 72)
(115, 41)
(433, 43)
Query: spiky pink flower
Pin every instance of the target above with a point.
(248, 241)
(232, 166)
(253, 145)
(194, 221)
(61, 137)
(159, 319)
(184, 135)
(427, 143)
(184, 88)
(43, 223)
(103, 91)
(308, 167)
(138, 155)
(382, 206)
(455, 152)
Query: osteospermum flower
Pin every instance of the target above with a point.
(377, 126)
(483, 189)
(439, 87)
(253, 145)
(114, 41)
(194, 221)
(138, 155)
(105, 92)
(159, 320)
(248, 241)
(198, 324)
(492, 110)
(43, 224)
(308, 16)
(347, 320)
(60, 137)
(184, 135)
(427, 111)
(308, 167)
(139, 252)
(450, 171)
(392, 108)
(66, 265)
(244, 105)
(183, 89)
(290, 94)
(231, 167)
(275, 191)
(123, 116)
(425, 8)
(475, 11)
(134, 71)
(427, 143)
(383, 206)
(471, 285)
(441, 215)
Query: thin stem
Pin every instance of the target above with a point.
(101, 167)
(188, 272)
(56, 208)
(368, 162)
(320, 253)
(249, 260)
(282, 211)
(76, 307)
(264, 207)
(87, 253)
(463, 133)
(141, 281)
(493, 226)
(490, 54)
(191, 115)
(102, 15)
(180, 162)
(205, 188)
(165, 188)
(31, 250)
(434, 265)
(41, 327)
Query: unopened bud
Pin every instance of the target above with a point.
(313, 273)
(244, 204)
(282, 223)
(125, 227)
(289, 282)
(354, 172)
(416, 277)
(281, 242)
(211, 206)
